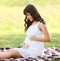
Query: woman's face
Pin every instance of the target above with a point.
(28, 15)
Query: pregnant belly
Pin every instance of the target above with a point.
(35, 50)
(32, 44)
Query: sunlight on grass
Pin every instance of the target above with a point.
(12, 25)
(11, 19)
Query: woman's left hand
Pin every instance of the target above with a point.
(32, 37)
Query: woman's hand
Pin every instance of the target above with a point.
(32, 37)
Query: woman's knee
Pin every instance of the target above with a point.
(15, 53)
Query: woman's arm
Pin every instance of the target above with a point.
(46, 37)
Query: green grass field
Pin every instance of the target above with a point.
(12, 25)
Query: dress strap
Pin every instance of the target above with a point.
(38, 23)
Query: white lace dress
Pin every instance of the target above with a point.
(32, 48)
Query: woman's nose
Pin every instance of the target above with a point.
(27, 17)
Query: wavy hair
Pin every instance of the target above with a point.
(35, 15)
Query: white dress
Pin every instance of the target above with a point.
(35, 48)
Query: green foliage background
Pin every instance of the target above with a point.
(12, 21)
(24, 2)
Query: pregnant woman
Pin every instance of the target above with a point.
(37, 34)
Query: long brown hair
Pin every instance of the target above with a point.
(35, 15)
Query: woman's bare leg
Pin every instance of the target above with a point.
(9, 54)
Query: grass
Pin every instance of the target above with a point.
(11, 40)
(12, 25)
